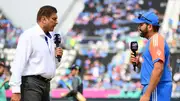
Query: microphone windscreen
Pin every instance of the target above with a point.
(134, 46)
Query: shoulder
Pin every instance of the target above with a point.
(156, 40)
(28, 33)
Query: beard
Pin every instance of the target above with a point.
(49, 28)
(143, 33)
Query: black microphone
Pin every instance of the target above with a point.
(134, 48)
(57, 41)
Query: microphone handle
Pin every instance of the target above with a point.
(134, 63)
(58, 56)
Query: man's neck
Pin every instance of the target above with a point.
(149, 35)
(42, 27)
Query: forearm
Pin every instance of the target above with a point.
(155, 78)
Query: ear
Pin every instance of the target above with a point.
(150, 27)
(43, 19)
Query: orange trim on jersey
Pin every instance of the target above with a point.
(156, 47)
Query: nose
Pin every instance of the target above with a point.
(56, 22)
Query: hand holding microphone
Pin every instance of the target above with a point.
(134, 48)
(59, 51)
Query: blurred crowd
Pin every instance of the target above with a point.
(101, 36)
(8, 33)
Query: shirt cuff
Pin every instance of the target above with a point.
(16, 89)
(157, 60)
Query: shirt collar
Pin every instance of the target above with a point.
(41, 32)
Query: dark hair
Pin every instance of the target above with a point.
(46, 11)
(156, 28)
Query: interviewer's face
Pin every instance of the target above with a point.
(51, 22)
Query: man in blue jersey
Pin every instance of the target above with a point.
(156, 75)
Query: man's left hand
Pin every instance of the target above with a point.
(144, 98)
(59, 51)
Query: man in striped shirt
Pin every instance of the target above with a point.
(156, 75)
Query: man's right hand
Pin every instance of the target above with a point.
(134, 59)
(16, 97)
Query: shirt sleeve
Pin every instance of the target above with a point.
(156, 48)
(22, 55)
